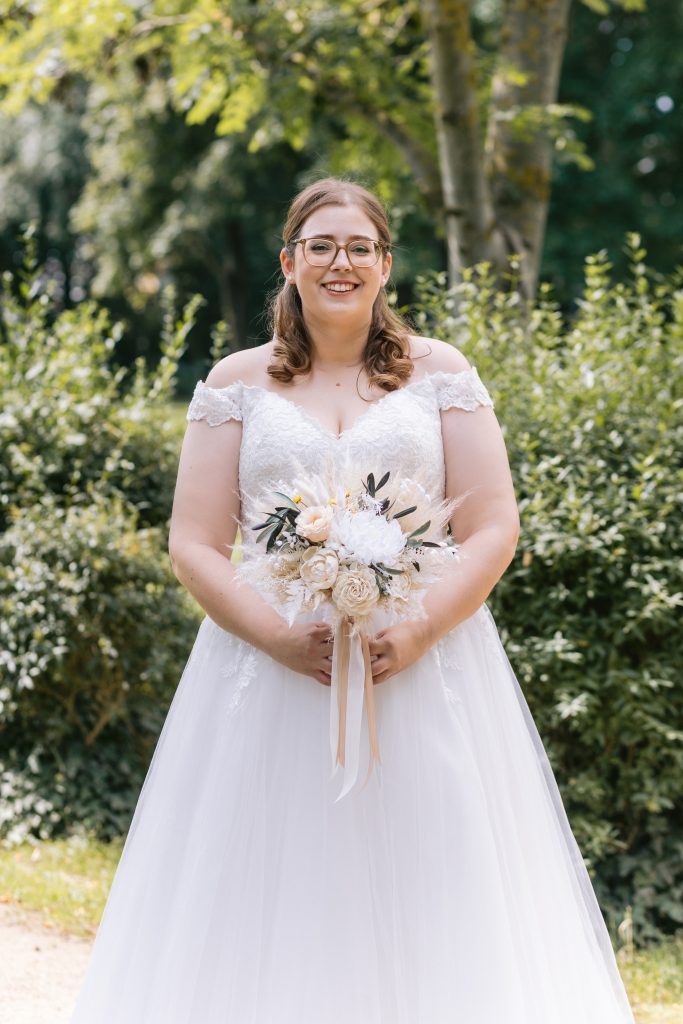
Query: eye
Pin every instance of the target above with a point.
(320, 246)
(360, 249)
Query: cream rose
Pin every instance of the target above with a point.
(319, 568)
(314, 522)
(355, 591)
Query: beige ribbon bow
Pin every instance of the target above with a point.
(351, 681)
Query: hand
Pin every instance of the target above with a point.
(396, 647)
(306, 648)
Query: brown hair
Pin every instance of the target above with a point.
(386, 356)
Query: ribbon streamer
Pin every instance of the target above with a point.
(351, 681)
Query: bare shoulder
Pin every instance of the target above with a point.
(248, 365)
(434, 355)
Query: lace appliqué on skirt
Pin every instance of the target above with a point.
(488, 631)
(242, 667)
(448, 661)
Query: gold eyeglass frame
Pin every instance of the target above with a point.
(380, 249)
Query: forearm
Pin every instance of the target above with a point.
(210, 577)
(485, 557)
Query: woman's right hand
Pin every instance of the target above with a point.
(306, 647)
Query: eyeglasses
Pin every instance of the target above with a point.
(322, 252)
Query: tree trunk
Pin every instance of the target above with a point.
(468, 210)
(232, 282)
(533, 40)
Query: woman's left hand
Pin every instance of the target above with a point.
(396, 647)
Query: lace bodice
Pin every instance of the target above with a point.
(282, 444)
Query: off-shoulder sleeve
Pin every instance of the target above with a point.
(216, 405)
(463, 390)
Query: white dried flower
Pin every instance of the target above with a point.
(408, 493)
(400, 587)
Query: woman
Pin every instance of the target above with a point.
(449, 887)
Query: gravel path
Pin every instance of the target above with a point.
(40, 969)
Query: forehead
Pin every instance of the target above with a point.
(340, 221)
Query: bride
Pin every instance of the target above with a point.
(448, 888)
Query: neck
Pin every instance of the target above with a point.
(339, 347)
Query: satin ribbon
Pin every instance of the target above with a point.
(351, 681)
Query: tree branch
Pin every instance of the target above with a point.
(421, 162)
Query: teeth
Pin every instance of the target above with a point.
(340, 287)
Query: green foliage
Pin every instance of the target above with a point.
(229, 62)
(628, 69)
(70, 420)
(590, 608)
(94, 629)
(162, 141)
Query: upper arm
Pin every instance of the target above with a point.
(206, 504)
(476, 460)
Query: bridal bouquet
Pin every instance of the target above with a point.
(351, 548)
(356, 546)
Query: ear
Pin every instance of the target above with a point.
(286, 262)
(386, 266)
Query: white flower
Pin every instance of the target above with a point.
(408, 493)
(355, 591)
(366, 537)
(284, 565)
(313, 523)
(319, 568)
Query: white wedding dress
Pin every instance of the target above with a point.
(449, 890)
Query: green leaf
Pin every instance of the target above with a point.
(405, 512)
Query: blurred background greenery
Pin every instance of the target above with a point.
(161, 142)
(149, 152)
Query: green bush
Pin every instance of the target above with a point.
(70, 419)
(95, 629)
(590, 609)
(94, 634)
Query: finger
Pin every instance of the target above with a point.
(378, 665)
(386, 672)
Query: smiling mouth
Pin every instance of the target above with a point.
(340, 289)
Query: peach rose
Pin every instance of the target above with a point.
(314, 522)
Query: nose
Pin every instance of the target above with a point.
(341, 255)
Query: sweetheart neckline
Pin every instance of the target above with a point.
(347, 430)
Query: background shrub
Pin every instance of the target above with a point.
(94, 628)
(590, 608)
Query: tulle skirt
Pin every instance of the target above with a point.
(450, 890)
